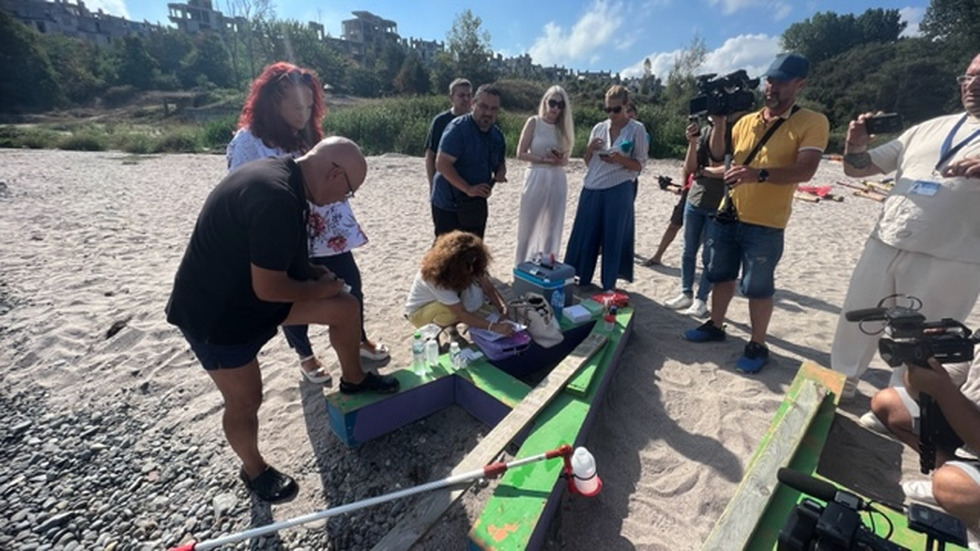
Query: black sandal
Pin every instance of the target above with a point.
(271, 485)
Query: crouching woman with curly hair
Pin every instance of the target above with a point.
(453, 286)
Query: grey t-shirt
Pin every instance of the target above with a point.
(706, 192)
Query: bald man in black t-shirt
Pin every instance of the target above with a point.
(246, 271)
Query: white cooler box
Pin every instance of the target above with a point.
(536, 278)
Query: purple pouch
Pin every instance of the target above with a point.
(503, 347)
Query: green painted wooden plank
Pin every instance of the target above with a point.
(512, 514)
(425, 512)
(501, 386)
(579, 385)
(735, 527)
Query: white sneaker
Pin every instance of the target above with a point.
(698, 309)
(871, 422)
(919, 490)
(679, 302)
(850, 389)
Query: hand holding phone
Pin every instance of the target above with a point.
(885, 123)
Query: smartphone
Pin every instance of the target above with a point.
(887, 123)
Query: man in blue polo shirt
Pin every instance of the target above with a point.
(470, 161)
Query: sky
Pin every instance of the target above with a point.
(597, 35)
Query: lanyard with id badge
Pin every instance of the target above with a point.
(927, 188)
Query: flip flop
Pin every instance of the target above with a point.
(379, 352)
(318, 376)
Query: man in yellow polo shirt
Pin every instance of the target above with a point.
(762, 193)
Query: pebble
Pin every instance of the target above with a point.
(107, 481)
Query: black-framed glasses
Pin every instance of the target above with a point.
(617, 109)
(966, 80)
(552, 103)
(350, 189)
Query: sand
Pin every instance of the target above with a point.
(92, 239)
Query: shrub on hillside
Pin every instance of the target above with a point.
(520, 95)
(119, 95)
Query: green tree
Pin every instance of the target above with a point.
(956, 23)
(209, 60)
(169, 47)
(412, 77)
(81, 68)
(136, 66)
(30, 81)
(828, 34)
(469, 48)
(390, 60)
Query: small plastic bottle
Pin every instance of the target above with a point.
(610, 320)
(454, 356)
(583, 468)
(432, 353)
(558, 302)
(418, 354)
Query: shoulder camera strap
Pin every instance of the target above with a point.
(768, 134)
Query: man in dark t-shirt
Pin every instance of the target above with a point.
(246, 271)
(460, 94)
(470, 161)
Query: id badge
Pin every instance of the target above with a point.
(923, 187)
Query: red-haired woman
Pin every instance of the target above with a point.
(283, 115)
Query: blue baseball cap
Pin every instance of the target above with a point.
(788, 67)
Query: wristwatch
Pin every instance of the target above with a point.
(763, 175)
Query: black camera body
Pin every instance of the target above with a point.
(910, 339)
(835, 526)
(723, 95)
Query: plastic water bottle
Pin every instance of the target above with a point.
(418, 354)
(558, 302)
(583, 468)
(431, 353)
(454, 356)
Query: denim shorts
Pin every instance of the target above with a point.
(755, 249)
(225, 356)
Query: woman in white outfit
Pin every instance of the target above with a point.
(546, 143)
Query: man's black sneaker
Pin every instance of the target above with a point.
(382, 384)
(706, 332)
(271, 485)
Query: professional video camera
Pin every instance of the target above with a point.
(838, 524)
(912, 340)
(723, 95)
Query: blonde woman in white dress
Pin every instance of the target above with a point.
(546, 143)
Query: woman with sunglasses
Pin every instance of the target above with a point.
(283, 115)
(615, 155)
(546, 143)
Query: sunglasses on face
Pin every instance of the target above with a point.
(552, 103)
(615, 109)
(296, 77)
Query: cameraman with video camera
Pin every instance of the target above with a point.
(955, 390)
(926, 242)
(774, 150)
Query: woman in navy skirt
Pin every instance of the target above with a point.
(615, 155)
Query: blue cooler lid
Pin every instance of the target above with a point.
(558, 272)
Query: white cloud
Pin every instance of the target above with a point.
(585, 40)
(113, 7)
(752, 52)
(912, 16)
(780, 9)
